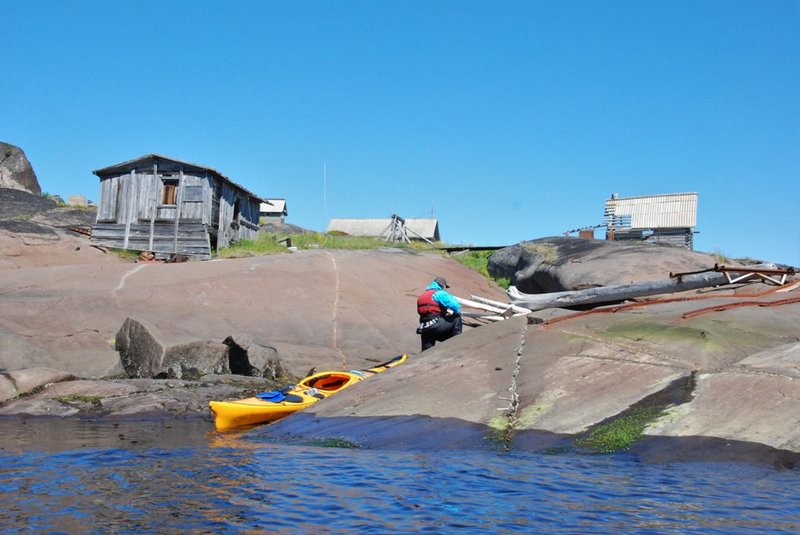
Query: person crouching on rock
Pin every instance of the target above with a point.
(439, 314)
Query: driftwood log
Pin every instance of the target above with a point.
(499, 311)
(613, 294)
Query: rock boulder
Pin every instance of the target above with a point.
(146, 352)
(17, 382)
(16, 171)
(517, 264)
(558, 264)
(250, 355)
(139, 349)
(193, 360)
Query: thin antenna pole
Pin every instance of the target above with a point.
(324, 195)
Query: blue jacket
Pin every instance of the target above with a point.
(444, 298)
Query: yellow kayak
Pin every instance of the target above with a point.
(270, 406)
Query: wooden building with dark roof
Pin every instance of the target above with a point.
(171, 207)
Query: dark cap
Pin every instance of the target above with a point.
(441, 281)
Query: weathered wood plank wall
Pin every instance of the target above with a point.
(132, 213)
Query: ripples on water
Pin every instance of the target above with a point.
(83, 477)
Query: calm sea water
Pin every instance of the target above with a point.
(155, 477)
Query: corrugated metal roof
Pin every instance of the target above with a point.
(673, 210)
(380, 228)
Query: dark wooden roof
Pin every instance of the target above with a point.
(150, 158)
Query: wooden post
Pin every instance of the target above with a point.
(156, 202)
(129, 203)
(178, 202)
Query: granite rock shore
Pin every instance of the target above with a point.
(717, 370)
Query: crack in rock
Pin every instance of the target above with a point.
(512, 413)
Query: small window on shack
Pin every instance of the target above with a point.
(169, 191)
(193, 194)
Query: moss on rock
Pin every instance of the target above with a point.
(618, 433)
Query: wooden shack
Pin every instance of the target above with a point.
(170, 207)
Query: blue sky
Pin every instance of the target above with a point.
(505, 120)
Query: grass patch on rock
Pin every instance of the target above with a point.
(479, 261)
(653, 331)
(674, 335)
(126, 254)
(277, 243)
(80, 398)
(501, 431)
(706, 334)
(618, 433)
(548, 252)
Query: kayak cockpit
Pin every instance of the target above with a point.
(329, 382)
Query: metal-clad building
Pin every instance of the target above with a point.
(669, 218)
(168, 206)
(416, 229)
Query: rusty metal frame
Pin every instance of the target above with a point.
(738, 304)
(745, 273)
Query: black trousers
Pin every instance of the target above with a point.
(438, 329)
